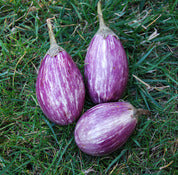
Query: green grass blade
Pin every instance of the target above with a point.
(115, 160)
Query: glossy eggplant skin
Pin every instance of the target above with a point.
(106, 69)
(105, 127)
(60, 88)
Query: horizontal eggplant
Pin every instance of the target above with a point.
(106, 127)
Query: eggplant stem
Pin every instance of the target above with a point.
(140, 111)
(100, 15)
(51, 33)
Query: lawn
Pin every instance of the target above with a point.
(30, 143)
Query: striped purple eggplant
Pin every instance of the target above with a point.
(106, 65)
(106, 127)
(59, 88)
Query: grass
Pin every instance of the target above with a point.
(29, 143)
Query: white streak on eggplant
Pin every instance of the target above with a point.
(106, 126)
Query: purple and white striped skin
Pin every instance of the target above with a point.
(106, 65)
(60, 88)
(106, 69)
(105, 127)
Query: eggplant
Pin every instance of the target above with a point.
(106, 127)
(106, 65)
(60, 88)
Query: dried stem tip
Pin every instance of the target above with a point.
(54, 48)
(51, 34)
(100, 15)
(140, 111)
(103, 29)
